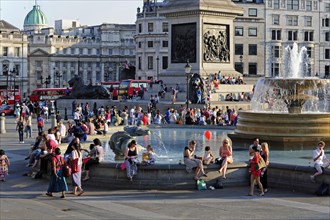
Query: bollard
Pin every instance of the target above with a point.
(65, 114)
(53, 121)
(2, 124)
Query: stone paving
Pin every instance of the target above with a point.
(22, 197)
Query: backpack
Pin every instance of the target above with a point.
(201, 185)
(40, 122)
(218, 184)
(323, 190)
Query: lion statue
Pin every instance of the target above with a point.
(120, 139)
(196, 82)
(82, 91)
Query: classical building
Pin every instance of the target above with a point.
(151, 41)
(97, 53)
(13, 58)
(260, 36)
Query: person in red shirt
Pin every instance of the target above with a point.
(50, 143)
(145, 119)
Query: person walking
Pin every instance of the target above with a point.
(28, 125)
(255, 172)
(57, 181)
(40, 123)
(76, 163)
(4, 164)
(20, 129)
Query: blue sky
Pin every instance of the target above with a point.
(88, 12)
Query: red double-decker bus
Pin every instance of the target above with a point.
(10, 96)
(43, 94)
(114, 85)
(129, 87)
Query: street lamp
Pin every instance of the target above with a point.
(157, 67)
(48, 80)
(187, 70)
(58, 75)
(241, 59)
(13, 74)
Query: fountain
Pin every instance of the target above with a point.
(291, 111)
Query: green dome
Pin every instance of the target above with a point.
(35, 17)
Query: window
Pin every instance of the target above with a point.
(252, 68)
(253, 12)
(327, 54)
(139, 63)
(239, 67)
(315, 5)
(150, 44)
(238, 31)
(16, 51)
(5, 68)
(276, 51)
(253, 49)
(327, 36)
(81, 51)
(165, 43)
(308, 21)
(150, 27)
(98, 51)
(309, 6)
(326, 7)
(253, 32)
(276, 4)
(325, 22)
(292, 35)
(140, 28)
(165, 26)
(309, 36)
(150, 63)
(292, 5)
(5, 51)
(276, 19)
(276, 34)
(140, 44)
(275, 69)
(309, 52)
(292, 20)
(165, 62)
(65, 51)
(110, 52)
(238, 49)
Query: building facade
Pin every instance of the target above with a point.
(262, 33)
(151, 41)
(13, 58)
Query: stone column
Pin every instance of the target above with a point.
(2, 124)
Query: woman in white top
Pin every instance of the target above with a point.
(76, 158)
(96, 157)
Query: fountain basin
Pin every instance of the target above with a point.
(175, 177)
(283, 131)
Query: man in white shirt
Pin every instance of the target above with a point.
(319, 159)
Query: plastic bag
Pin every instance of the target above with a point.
(201, 185)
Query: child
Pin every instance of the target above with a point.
(148, 156)
(320, 160)
(208, 156)
(4, 164)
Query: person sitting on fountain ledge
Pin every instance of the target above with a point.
(319, 158)
(191, 162)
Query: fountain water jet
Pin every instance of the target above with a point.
(291, 111)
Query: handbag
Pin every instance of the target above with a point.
(123, 166)
(74, 166)
(261, 164)
(67, 171)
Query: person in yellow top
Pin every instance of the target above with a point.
(148, 156)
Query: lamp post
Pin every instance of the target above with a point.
(13, 74)
(241, 59)
(58, 75)
(187, 70)
(48, 80)
(157, 67)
